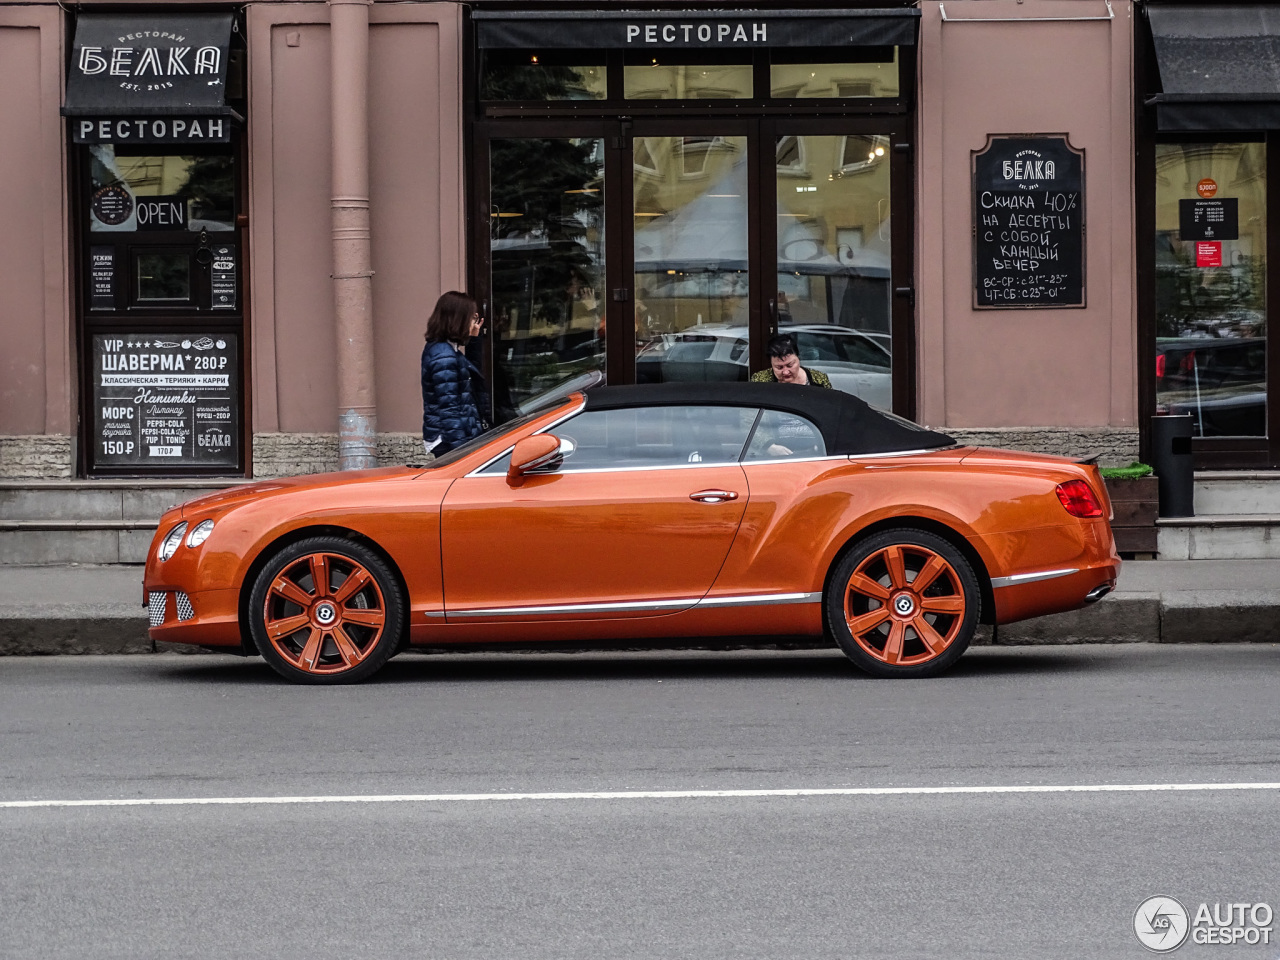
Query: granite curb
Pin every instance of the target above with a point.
(1200, 616)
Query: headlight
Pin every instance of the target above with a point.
(171, 542)
(200, 534)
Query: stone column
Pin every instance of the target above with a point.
(352, 273)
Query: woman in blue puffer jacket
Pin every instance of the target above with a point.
(453, 390)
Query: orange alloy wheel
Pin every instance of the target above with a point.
(908, 599)
(330, 611)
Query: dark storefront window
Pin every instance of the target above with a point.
(542, 76)
(546, 243)
(835, 74)
(663, 76)
(667, 190)
(1211, 291)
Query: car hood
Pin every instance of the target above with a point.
(269, 488)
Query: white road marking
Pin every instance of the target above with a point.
(646, 795)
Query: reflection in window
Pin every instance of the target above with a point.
(1211, 294)
(542, 76)
(546, 241)
(163, 276)
(204, 182)
(875, 76)
(833, 279)
(691, 279)
(657, 436)
(784, 435)
(656, 79)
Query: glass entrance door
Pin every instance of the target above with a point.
(662, 250)
(690, 246)
(1211, 289)
(835, 257)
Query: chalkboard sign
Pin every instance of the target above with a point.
(164, 400)
(1028, 223)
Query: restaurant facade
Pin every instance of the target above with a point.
(1029, 223)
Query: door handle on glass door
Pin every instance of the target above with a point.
(713, 496)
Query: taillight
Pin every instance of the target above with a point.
(1077, 496)
(1159, 366)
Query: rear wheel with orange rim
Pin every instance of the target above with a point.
(903, 603)
(326, 610)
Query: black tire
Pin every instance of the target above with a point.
(886, 624)
(342, 633)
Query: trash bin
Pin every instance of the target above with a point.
(1171, 459)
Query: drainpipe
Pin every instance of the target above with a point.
(352, 276)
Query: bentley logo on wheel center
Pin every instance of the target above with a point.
(325, 613)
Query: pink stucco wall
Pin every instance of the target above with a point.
(416, 199)
(1025, 73)
(36, 378)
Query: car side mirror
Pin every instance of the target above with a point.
(541, 453)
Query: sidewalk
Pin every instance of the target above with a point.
(91, 609)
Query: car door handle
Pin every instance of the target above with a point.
(713, 496)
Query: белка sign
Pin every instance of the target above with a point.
(149, 78)
(1028, 223)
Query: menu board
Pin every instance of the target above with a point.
(1028, 223)
(164, 400)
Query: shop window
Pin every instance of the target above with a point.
(162, 276)
(138, 192)
(542, 76)
(661, 76)
(1211, 266)
(855, 72)
(547, 245)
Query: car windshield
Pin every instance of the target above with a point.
(475, 443)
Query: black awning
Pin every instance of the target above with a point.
(692, 29)
(1219, 66)
(149, 65)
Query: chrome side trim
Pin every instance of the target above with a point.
(1019, 578)
(492, 460)
(660, 466)
(773, 461)
(760, 599)
(897, 453)
(577, 608)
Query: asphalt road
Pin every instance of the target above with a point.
(968, 874)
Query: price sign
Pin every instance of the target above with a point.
(163, 400)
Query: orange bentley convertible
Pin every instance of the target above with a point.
(643, 512)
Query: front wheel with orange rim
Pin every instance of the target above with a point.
(903, 603)
(326, 610)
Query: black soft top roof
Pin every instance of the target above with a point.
(849, 425)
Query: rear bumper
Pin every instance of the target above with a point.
(1079, 577)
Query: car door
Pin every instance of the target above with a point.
(635, 522)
